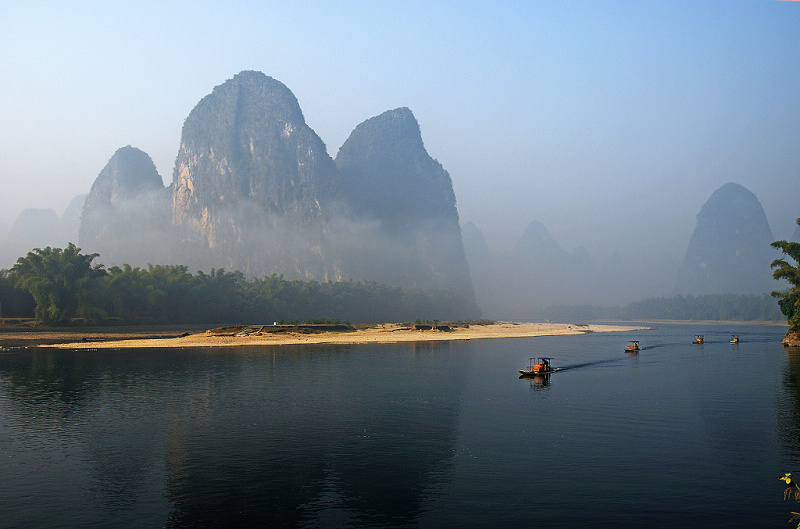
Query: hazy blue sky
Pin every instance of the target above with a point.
(611, 122)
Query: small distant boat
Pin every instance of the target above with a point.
(734, 338)
(538, 366)
(632, 347)
(698, 338)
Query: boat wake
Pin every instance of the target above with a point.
(658, 346)
(588, 364)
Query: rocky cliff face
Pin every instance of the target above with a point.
(389, 175)
(791, 339)
(253, 183)
(126, 214)
(729, 251)
(71, 218)
(392, 184)
(255, 190)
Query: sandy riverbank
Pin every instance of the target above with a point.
(386, 333)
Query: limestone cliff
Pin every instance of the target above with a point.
(71, 218)
(391, 181)
(252, 181)
(125, 215)
(255, 190)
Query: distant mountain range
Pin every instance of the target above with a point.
(729, 253)
(254, 189)
(37, 228)
(539, 273)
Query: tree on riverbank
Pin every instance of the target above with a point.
(63, 283)
(789, 300)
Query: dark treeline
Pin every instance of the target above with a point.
(14, 302)
(724, 307)
(730, 307)
(62, 287)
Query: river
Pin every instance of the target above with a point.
(432, 435)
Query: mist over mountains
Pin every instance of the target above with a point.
(253, 185)
(37, 228)
(125, 215)
(254, 189)
(539, 273)
(728, 253)
(405, 206)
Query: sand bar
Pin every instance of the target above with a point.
(385, 333)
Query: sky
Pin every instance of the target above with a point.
(611, 122)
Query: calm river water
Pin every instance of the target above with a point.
(408, 435)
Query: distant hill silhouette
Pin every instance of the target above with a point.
(538, 274)
(729, 251)
(33, 228)
(38, 228)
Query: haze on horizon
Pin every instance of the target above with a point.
(611, 123)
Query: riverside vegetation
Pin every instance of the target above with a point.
(62, 287)
(789, 300)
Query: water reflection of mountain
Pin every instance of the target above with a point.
(321, 437)
(284, 437)
(75, 430)
(49, 384)
(789, 404)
